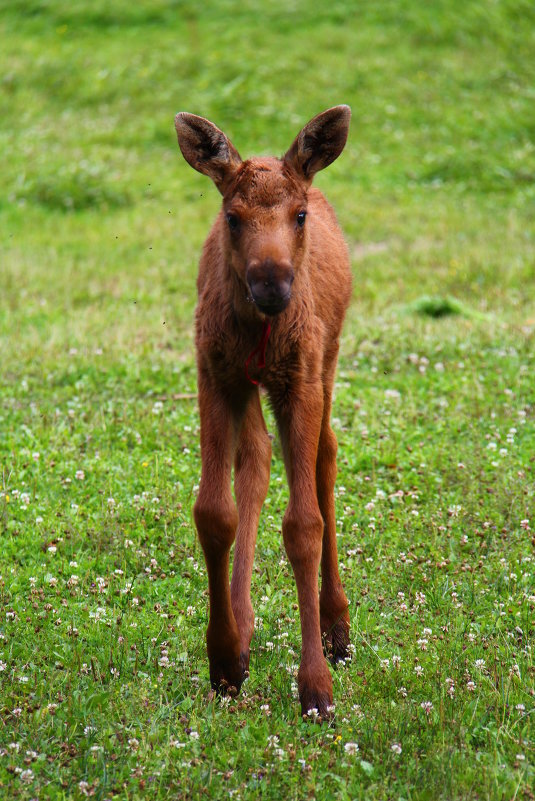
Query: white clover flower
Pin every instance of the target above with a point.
(351, 748)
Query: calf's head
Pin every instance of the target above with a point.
(264, 199)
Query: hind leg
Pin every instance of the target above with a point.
(333, 601)
(251, 479)
(334, 613)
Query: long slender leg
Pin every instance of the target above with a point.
(300, 424)
(333, 601)
(251, 479)
(216, 519)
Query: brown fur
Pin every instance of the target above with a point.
(240, 271)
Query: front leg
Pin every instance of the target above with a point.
(300, 424)
(216, 520)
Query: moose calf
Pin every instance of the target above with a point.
(274, 284)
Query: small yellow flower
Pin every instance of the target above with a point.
(144, 464)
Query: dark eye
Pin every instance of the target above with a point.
(301, 217)
(233, 221)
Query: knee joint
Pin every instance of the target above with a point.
(216, 525)
(328, 448)
(302, 536)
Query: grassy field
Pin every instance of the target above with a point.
(103, 673)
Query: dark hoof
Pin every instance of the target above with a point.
(244, 663)
(316, 706)
(227, 678)
(316, 693)
(336, 641)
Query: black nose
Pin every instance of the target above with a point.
(270, 284)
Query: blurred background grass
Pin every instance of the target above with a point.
(435, 191)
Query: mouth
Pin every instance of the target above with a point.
(273, 308)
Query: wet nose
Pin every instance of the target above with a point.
(270, 283)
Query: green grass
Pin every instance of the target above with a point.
(103, 673)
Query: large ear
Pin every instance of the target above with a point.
(320, 142)
(207, 148)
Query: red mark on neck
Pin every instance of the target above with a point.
(259, 351)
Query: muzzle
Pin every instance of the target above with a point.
(270, 284)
